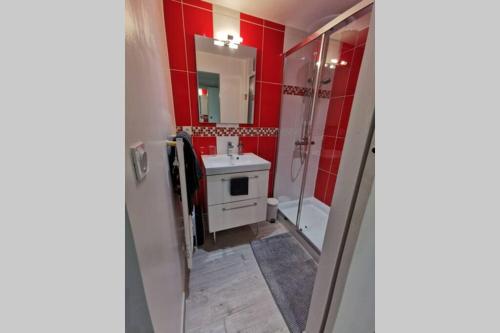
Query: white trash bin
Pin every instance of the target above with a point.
(272, 209)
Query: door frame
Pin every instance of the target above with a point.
(350, 197)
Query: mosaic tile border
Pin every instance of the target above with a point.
(324, 93)
(295, 90)
(232, 131)
(303, 91)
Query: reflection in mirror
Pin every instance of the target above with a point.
(208, 96)
(226, 81)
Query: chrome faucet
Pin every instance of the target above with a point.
(230, 147)
(240, 148)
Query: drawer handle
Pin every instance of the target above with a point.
(226, 179)
(254, 204)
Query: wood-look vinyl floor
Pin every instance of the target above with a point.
(227, 290)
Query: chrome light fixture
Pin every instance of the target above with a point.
(225, 39)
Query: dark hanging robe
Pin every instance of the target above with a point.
(192, 167)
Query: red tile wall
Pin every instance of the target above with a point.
(184, 19)
(337, 119)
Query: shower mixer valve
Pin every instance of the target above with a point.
(303, 142)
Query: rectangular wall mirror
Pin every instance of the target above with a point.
(226, 81)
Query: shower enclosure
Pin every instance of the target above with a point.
(319, 84)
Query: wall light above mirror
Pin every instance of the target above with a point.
(226, 79)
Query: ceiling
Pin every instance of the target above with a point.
(304, 15)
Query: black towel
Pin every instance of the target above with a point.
(193, 171)
(239, 186)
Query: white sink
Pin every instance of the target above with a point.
(221, 164)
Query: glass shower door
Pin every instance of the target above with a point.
(319, 83)
(299, 75)
(343, 51)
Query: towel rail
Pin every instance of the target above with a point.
(171, 143)
(188, 226)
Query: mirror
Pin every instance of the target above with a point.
(226, 81)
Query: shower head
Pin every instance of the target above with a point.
(326, 81)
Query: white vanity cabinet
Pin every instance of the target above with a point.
(227, 211)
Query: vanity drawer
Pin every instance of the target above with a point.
(236, 214)
(218, 187)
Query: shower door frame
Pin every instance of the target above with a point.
(330, 25)
(309, 135)
(320, 33)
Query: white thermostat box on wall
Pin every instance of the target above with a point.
(140, 160)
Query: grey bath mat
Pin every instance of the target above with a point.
(289, 272)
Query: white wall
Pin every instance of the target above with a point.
(225, 20)
(357, 308)
(292, 37)
(288, 181)
(150, 204)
